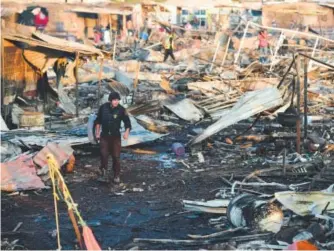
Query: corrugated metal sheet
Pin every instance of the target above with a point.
(248, 105)
(40, 60)
(184, 109)
(62, 42)
(60, 152)
(19, 175)
(52, 43)
(101, 10)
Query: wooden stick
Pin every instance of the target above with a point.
(241, 43)
(77, 84)
(110, 28)
(278, 45)
(221, 233)
(226, 50)
(312, 55)
(17, 226)
(76, 228)
(214, 57)
(100, 78)
(2, 72)
(135, 83)
(114, 52)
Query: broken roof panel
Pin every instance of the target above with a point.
(65, 43)
(100, 10)
(49, 42)
(20, 174)
(248, 105)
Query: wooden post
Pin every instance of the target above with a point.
(226, 50)
(215, 55)
(298, 131)
(313, 52)
(135, 83)
(284, 161)
(76, 228)
(305, 97)
(100, 78)
(279, 43)
(110, 28)
(241, 44)
(114, 52)
(77, 84)
(3, 72)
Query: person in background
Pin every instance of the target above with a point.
(129, 27)
(41, 18)
(144, 31)
(97, 37)
(196, 23)
(188, 26)
(263, 45)
(106, 37)
(169, 45)
(110, 116)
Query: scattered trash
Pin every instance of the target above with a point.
(178, 149)
(247, 210)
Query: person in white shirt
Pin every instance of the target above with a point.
(106, 36)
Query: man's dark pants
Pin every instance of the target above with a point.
(169, 52)
(111, 145)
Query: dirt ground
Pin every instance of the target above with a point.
(116, 214)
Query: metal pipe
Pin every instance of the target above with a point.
(316, 60)
(298, 131)
(241, 43)
(77, 84)
(99, 85)
(305, 97)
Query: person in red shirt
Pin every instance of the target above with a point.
(263, 45)
(41, 20)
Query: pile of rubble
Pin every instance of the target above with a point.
(266, 129)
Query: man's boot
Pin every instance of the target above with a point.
(103, 176)
(117, 180)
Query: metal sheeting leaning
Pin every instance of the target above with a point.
(248, 105)
(20, 174)
(60, 152)
(184, 109)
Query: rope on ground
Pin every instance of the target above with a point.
(58, 184)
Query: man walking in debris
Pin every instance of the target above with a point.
(110, 116)
(169, 46)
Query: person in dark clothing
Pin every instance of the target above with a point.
(169, 46)
(109, 117)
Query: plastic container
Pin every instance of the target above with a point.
(178, 149)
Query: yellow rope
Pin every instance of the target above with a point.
(58, 180)
(51, 165)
